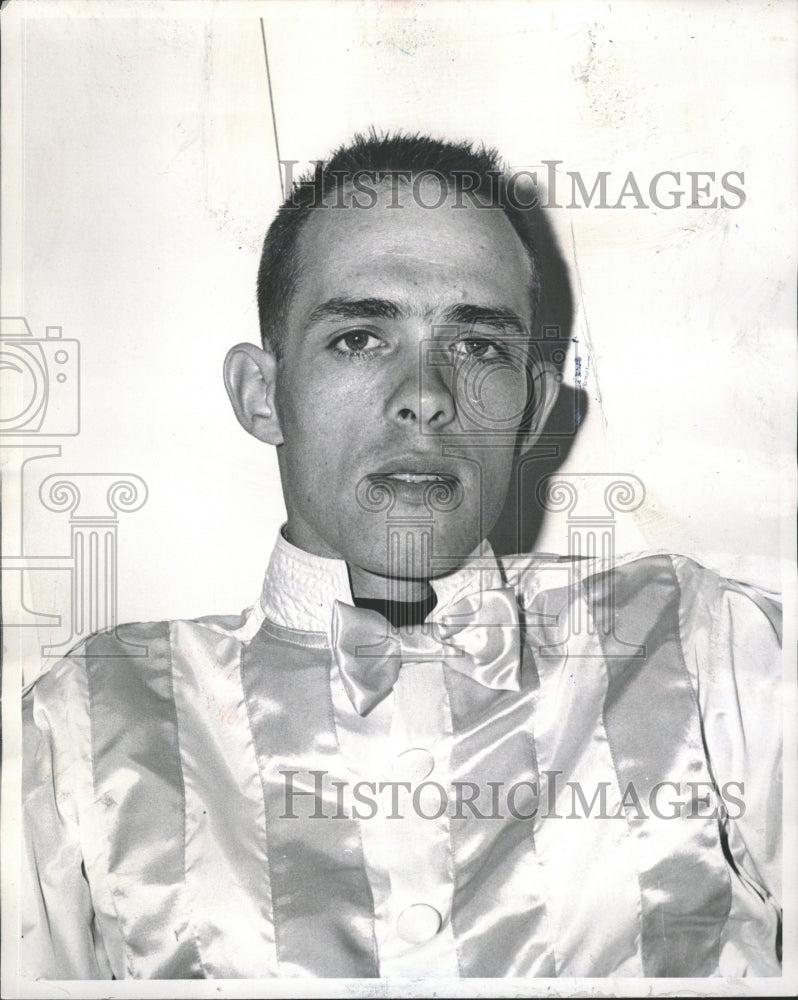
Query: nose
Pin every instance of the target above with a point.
(423, 395)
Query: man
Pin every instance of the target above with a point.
(409, 759)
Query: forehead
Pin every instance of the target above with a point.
(423, 259)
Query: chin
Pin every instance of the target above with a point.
(414, 551)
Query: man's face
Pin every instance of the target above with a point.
(402, 382)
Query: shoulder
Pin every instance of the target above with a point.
(658, 581)
(132, 644)
(708, 596)
(122, 664)
(56, 704)
(534, 574)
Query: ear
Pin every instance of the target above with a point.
(249, 377)
(545, 389)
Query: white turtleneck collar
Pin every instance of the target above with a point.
(300, 589)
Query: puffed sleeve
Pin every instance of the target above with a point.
(59, 933)
(731, 636)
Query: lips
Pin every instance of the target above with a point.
(415, 478)
(422, 479)
(419, 468)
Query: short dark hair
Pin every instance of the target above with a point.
(378, 156)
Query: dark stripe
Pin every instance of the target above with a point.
(323, 907)
(494, 862)
(138, 782)
(653, 727)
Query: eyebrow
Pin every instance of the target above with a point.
(494, 317)
(464, 314)
(340, 308)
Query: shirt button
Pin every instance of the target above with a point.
(418, 923)
(413, 765)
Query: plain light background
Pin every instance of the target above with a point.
(141, 175)
(138, 178)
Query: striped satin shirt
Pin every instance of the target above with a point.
(201, 799)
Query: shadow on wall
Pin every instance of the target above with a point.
(520, 521)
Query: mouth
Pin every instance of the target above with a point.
(419, 467)
(426, 481)
(415, 478)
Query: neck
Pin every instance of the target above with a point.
(365, 584)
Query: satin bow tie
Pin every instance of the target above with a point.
(478, 636)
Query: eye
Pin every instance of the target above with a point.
(355, 343)
(479, 348)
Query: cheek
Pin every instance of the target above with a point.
(325, 398)
(492, 398)
(321, 422)
(495, 468)
(306, 410)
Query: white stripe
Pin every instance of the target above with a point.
(226, 870)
